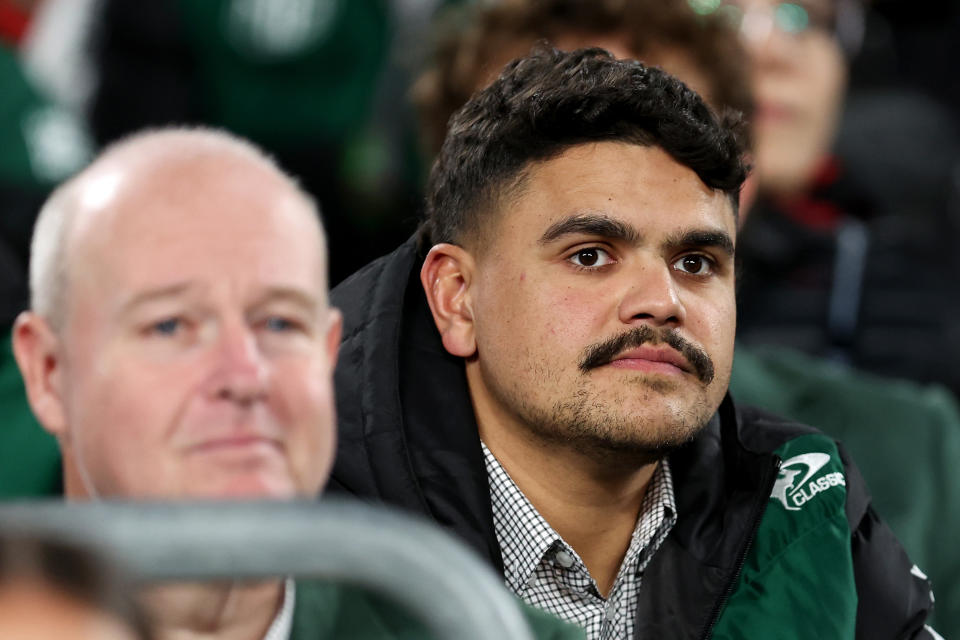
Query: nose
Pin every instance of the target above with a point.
(241, 371)
(652, 296)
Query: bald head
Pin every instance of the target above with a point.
(165, 164)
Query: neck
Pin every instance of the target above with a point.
(591, 503)
(213, 611)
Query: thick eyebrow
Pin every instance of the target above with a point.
(702, 238)
(594, 224)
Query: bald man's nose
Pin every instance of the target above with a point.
(241, 372)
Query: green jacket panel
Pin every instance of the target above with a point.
(905, 439)
(799, 569)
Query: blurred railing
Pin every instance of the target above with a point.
(416, 564)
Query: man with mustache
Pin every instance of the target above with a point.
(544, 370)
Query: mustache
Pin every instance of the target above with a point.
(604, 352)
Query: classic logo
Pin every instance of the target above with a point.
(798, 483)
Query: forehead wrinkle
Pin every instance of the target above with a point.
(592, 223)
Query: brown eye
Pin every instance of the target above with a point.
(694, 264)
(591, 258)
(588, 257)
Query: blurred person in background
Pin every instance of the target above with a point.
(847, 253)
(180, 345)
(474, 42)
(544, 370)
(53, 590)
(42, 142)
(883, 422)
(318, 83)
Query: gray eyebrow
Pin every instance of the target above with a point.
(595, 224)
(288, 294)
(176, 290)
(182, 289)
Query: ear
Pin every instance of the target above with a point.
(37, 350)
(446, 276)
(334, 329)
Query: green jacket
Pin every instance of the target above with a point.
(905, 439)
(325, 610)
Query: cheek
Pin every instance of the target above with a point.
(823, 82)
(717, 325)
(576, 317)
(131, 400)
(559, 319)
(304, 403)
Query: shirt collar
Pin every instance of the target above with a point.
(525, 537)
(283, 621)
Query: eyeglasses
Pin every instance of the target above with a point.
(842, 19)
(752, 17)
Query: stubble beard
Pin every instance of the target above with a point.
(610, 426)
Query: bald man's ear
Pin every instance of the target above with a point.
(37, 350)
(446, 277)
(334, 329)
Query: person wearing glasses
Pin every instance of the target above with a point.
(847, 253)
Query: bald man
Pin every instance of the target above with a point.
(180, 345)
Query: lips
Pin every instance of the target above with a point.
(773, 111)
(233, 443)
(644, 348)
(652, 358)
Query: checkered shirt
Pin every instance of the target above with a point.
(547, 573)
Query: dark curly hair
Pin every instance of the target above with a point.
(552, 100)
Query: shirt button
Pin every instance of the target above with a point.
(532, 581)
(610, 614)
(564, 559)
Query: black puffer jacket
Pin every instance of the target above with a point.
(408, 437)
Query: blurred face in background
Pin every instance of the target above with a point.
(31, 609)
(197, 349)
(671, 59)
(799, 76)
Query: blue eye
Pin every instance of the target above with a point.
(167, 327)
(278, 324)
